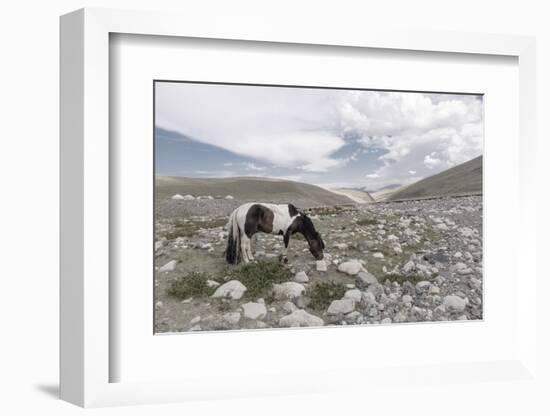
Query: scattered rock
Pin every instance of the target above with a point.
(321, 266)
(301, 277)
(341, 246)
(350, 267)
(364, 279)
(341, 306)
(169, 267)
(232, 289)
(232, 318)
(423, 286)
(434, 290)
(407, 299)
(300, 318)
(195, 320)
(289, 307)
(177, 196)
(253, 310)
(378, 255)
(409, 267)
(376, 289)
(288, 290)
(454, 303)
(353, 294)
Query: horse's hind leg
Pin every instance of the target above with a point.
(249, 249)
(245, 244)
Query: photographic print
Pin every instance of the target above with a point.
(284, 206)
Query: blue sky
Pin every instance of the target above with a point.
(332, 138)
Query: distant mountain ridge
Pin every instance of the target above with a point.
(251, 189)
(463, 179)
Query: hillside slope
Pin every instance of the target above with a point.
(250, 189)
(459, 180)
(361, 197)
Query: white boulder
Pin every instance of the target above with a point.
(168, 267)
(353, 294)
(288, 290)
(301, 277)
(341, 306)
(232, 289)
(177, 196)
(252, 310)
(365, 279)
(409, 266)
(300, 318)
(321, 266)
(454, 303)
(351, 267)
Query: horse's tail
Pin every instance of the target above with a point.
(233, 249)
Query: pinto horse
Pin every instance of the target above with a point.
(285, 220)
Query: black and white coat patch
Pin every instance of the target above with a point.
(281, 219)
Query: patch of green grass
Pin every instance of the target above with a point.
(258, 277)
(322, 294)
(191, 284)
(188, 229)
(367, 221)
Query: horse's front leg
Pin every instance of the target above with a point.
(284, 254)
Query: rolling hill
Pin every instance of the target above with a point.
(462, 179)
(250, 189)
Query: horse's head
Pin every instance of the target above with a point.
(316, 244)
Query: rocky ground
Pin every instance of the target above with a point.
(384, 263)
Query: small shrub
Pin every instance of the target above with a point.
(258, 277)
(188, 229)
(366, 221)
(322, 294)
(192, 284)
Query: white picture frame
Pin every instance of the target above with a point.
(85, 207)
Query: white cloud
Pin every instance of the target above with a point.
(253, 166)
(414, 131)
(413, 134)
(431, 161)
(283, 126)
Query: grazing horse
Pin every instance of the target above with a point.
(285, 220)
